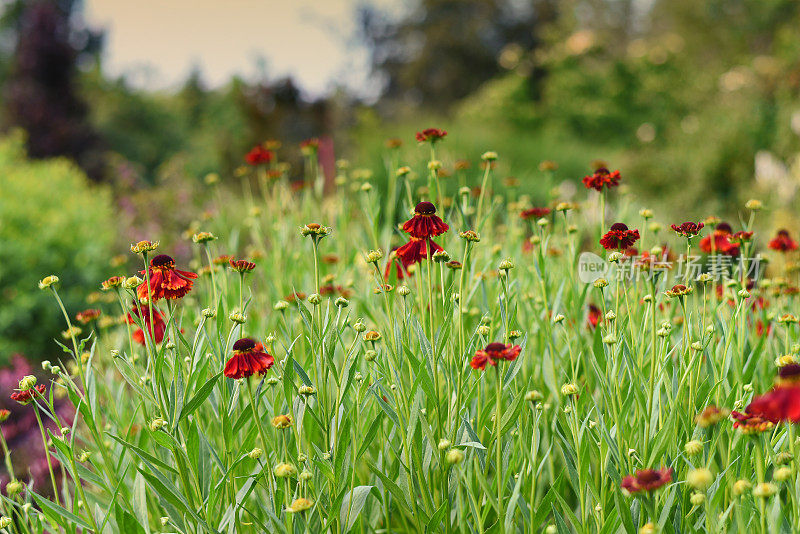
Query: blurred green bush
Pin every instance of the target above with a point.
(51, 222)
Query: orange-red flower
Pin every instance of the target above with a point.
(248, 359)
(431, 134)
(749, 423)
(535, 213)
(425, 223)
(782, 242)
(619, 237)
(258, 155)
(85, 316)
(721, 244)
(26, 397)
(415, 251)
(156, 330)
(781, 403)
(595, 316)
(166, 281)
(493, 353)
(647, 480)
(602, 178)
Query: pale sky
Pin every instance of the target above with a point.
(156, 42)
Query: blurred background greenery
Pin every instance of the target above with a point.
(696, 101)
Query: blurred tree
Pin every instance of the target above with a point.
(442, 50)
(41, 95)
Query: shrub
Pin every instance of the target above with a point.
(51, 222)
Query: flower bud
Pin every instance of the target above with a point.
(255, 454)
(157, 424)
(569, 389)
(454, 456)
(699, 479)
(14, 487)
(782, 474)
(284, 470)
(693, 447)
(27, 382)
(765, 490)
(697, 499)
(48, 281)
(314, 298)
(741, 486)
(558, 319)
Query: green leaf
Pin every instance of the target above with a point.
(352, 505)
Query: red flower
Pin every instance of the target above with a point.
(425, 223)
(742, 237)
(156, 330)
(25, 397)
(749, 423)
(782, 403)
(400, 270)
(415, 251)
(248, 359)
(258, 155)
(687, 229)
(241, 266)
(493, 353)
(535, 213)
(431, 134)
(601, 178)
(86, 316)
(619, 237)
(595, 316)
(722, 241)
(647, 480)
(783, 242)
(166, 281)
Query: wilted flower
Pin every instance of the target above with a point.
(282, 421)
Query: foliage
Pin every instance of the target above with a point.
(51, 220)
(389, 427)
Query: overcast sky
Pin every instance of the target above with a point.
(156, 42)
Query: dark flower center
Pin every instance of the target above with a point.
(783, 233)
(619, 227)
(790, 371)
(245, 344)
(425, 208)
(495, 347)
(161, 261)
(648, 476)
(724, 227)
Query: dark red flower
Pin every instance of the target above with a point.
(601, 178)
(156, 330)
(415, 251)
(86, 316)
(431, 134)
(241, 266)
(619, 237)
(258, 155)
(425, 223)
(789, 374)
(535, 213)
(595, 316)
(25, 397)
(687, 229)
(493, 353)
(400, 270)
(248, 359)
(742, 237)
(781, 403)
(782, 242)
(647, 480)
(166, 281)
